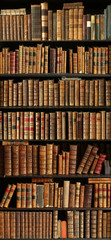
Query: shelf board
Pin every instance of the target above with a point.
(59, 141)
(57, 108)
(55, 75)
(59, 176)
(56, 41)
(52, 209)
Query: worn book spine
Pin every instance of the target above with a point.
(18, 196)
(29, 160)
(55, 224)
(93, 224)
(7, 161)
(36, 22)
(29, 195)
(44, 21)
(10, 195)
(70, 222)
(5, 195)
(23, 195)
(87, 223)
(15, 160)
(84, 159)
(80, 24)
(22, 159)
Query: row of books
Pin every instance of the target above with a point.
(26, 225)
(53, 125)
(50, 194)
(70, 23)
(78, 92)
(39, 225)
(48, 159)
(43, 59)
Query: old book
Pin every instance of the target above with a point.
(71, 196)
(29, 195)
(66, 194)
(35, 18)
(10, 195)
(99, 227)
(81, 202)
(29, 160)
(55, 224)
(88, 196)
(35, 159)
(7, 161)
(23, 195)
(90, 160)
(18, 196)
(40, 196)
(87, 224)
(88, 26)
(94, 224)
(22, 160)
(49, 158)
(44, 21)
(59, 24)
(77, 224)
(7, 224)
(15, 160)
(77, 194)
(5, 195)
(70, 230)
(84, 159)
(79, 125)
(80, 23)
(12, 225)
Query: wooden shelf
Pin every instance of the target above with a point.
(52, 209)
(57, 41)
(70, 176)
(65, 108)
(55, 75)
(60, 141)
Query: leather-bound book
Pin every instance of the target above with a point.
(18, 196)
(59, 125)
(20, 93)
(70, 60)
(1, 160)
(71, 92)
(88, 196)
(71, 24)
(102, 26)
(30, 225)
(55, 224)
(25, 225)
(34, 194)
(7, 161)
(30, 60)
(6, 225)
(5, 195)
(71, 196)
(36, 92)
(94, 164)
(77, 224)
(77, 92)
(55, 158)
(42, 159)
(63, 125)
(51, 194)
(79, 125)
(63, 25)
(88, 26)
(81, 202)
(30, 92)
(52, 126)
(101, 159)
(99, 226)
(37, 224)
(51, 92)
(29, 160)
(2, 227)
(18, 125)
(5, 127)
(86, 62)
(25, 27)
(80, 23)
(77, 195)
(81, 220)
(22, 224)
(47, 126)
(108, 225)
(70, 222)
(23, 195)
(87, 223)
(95, 60)
(10, 195)
(84, 27)
(37, 125)
(103, 60)
(44, 224)
(46, 92)
(97, 26)
(54, 26)
(44, 21)
(5, 93)
(15, 94)
(29, 27)
(108, 127)
(42, 126)
(13, 225)
(62, 92)
(35, 159)
(86, 125)
(46, 52)
(93, 224)
(99, 60)
(1, 134)
(76, 14)
(21, 125)
(15, 160)
(12, 62)
(91, 93)
(84, 159)
(90, 160)
(97, 92)
(104, 232)
(1, 37)
(26, 125)
(22, 27)
(49, 159)
(9, 125)
(72, 159)
(93, 30)
(14, 126)
(52, 60)
(31, 125)
(104, 195)
(29, 195)
(92, 125)
(103, 125)
(82, 92)
(66, 24)
(18, 28)
(108, 195)
(46, 194)
(59, 25)
(36, 22)
(50, 25)
(22, 159)
(66, 194)
(4, 27)
(2, 93)
(70, 126)
(79, 57)
(15, 27)
(98, 126)
(90, 60)
(108, 93)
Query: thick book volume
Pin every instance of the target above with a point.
(11, 192)
(35, 19)
(44, 21)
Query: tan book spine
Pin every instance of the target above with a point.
(10, 196)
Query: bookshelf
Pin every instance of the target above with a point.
(92, 7)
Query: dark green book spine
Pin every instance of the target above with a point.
(97, 27)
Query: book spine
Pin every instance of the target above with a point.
(18, 196)
(44, 21)
(13, 187)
